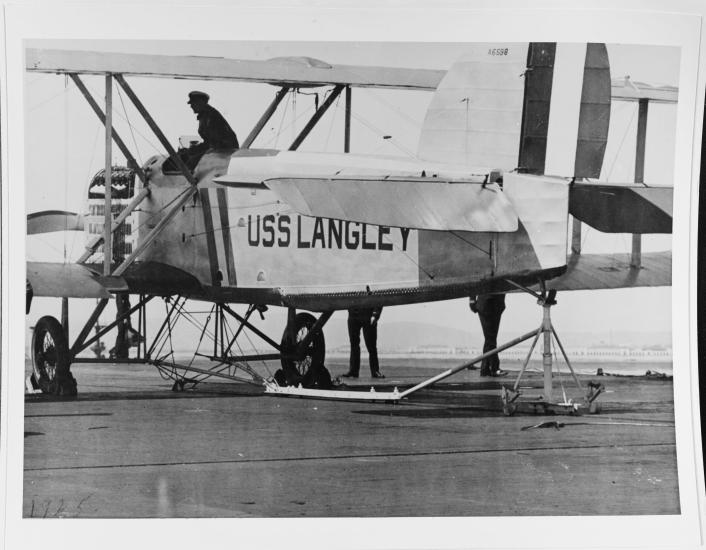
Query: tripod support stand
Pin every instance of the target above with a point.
(545, 404)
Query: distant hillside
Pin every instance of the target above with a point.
(406, 335)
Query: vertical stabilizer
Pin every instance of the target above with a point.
(539, 108)
(475, 114)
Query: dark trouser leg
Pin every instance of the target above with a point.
(490, 323)
(354, 338)
(122, 347)
(370, 334)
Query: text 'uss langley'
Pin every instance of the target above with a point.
(284, 231)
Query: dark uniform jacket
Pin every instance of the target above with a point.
(364, 315)
(215, 130)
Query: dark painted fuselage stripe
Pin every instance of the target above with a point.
(225, 230)
(536, 106)
(210, 237)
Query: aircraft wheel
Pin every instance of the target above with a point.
(51, 359)
(310, 368)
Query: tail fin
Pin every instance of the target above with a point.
(538, 108)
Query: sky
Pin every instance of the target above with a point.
(64, 149)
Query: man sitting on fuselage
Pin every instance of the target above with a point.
(214, 130)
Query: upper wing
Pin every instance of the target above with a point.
(417, 203)
(291, 71)
(624, 89)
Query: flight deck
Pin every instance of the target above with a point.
(129, 447)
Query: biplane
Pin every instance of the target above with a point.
(480, 209)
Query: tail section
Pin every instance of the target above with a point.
(474, 116)
(538, 108)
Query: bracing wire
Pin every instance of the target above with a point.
(292, 123)
(151, 215)
(379, 132)
(129, 125)
(275, 138)
(409, 257)
(41, 103)
(622, 142)
(156, 148)
(372, 93)
(333, 119)
(483, 250)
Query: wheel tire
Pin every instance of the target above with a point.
(308, 370)
(51, 359)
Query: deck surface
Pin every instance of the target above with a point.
(130, 447)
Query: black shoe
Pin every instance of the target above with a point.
(378, 375)
(349, 375)
(485, 373)
(498, 373)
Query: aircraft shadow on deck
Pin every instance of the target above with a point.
(435, 412)
(228, 390)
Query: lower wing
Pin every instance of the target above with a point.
(603, 271)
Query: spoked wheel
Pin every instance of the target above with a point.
(51, 359)
(307, 369)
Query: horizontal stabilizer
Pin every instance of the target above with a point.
(416, 203)
(604, 271)
(49, 221)
(289, 71)
(64, 280)
(617, 208)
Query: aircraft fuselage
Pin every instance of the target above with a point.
(242, 244)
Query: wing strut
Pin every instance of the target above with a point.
(152, 235)
(131, 162)
(108, 177)
(317, 116)
(636, 255)
(265, 117)
(185, 197)
(134, 203)
(157, 131)
(347, 135)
